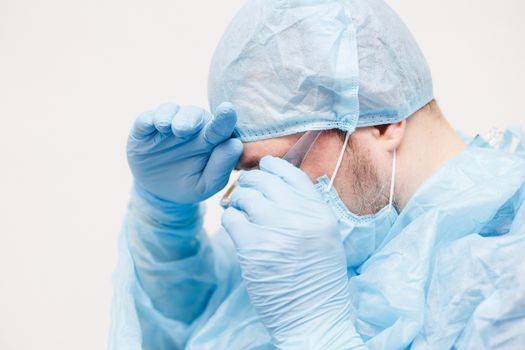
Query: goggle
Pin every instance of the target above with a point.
(295, 155)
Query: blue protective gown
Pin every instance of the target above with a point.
(450, 273)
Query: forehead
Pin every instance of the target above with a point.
(254, 151)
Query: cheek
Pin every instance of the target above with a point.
(322, 158)
(368, 148)
(255, 150)
(316, 166)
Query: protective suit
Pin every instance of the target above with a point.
(450, 271)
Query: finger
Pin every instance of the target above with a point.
(236, 225)
(221, 126)
(293, 176)
(188, 121)
(143, 125)
(163, 116)
(249, 201)
(221, 163)
(270, 185)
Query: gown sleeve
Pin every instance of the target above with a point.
(165, 275)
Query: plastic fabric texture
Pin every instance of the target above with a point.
(292, 66)
(450, 273)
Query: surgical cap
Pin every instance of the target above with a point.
(290, 66)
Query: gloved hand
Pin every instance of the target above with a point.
(292, 259)
(183, 154)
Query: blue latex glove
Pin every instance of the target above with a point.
(183, 154)
(292, 260)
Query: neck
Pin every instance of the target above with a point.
(428, 144)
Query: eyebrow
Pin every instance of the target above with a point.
(254, 162)
(251, 164)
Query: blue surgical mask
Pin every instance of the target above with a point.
(361, 234)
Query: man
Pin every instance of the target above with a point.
(391, 233)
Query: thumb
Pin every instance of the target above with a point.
(220, 164)
(222, 125)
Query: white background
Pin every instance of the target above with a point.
(74, 74)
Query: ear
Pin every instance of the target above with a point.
(390, 135)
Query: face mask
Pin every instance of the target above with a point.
(361, 234)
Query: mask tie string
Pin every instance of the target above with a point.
(392, 180)
(339, 160)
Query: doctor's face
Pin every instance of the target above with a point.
(362, 181)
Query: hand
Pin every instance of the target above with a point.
(183, 154)
(291, 256)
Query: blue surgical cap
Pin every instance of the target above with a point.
(296, 65)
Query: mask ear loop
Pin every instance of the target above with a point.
(339, 160)
(392, 180)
